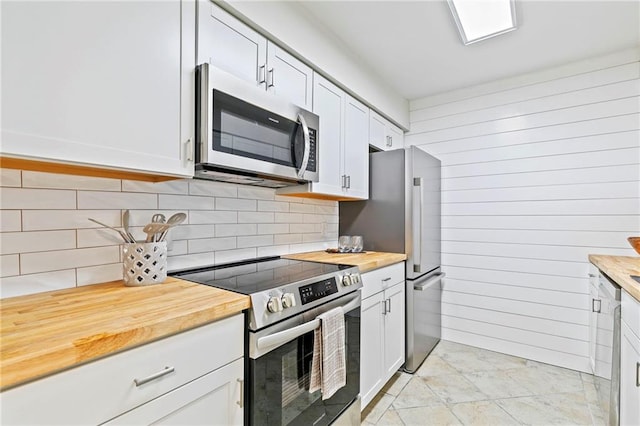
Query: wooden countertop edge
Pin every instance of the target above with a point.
(366, 262)
(619, 269)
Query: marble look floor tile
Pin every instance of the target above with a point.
(377, 408)
(432, 416)
(558, 409)
(586, 377)
(467, 361)
(497, 384)
(416, 394)
(482, 413)
(454, 388)
(434, 365)
(395, 385)
(503, 361)
(390, 418)
(540, 381)
(552, 369)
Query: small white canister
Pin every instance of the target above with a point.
(144, 263)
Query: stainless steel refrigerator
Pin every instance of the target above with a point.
(402, 215)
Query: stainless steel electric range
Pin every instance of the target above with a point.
(286, 298)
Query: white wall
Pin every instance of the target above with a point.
(288, 23)
(48, 243)
(538, 172)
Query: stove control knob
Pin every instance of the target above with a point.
(274, 304)
(355, 278)
(346, 280)
(288, 300)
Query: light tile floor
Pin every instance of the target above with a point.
(460, 384)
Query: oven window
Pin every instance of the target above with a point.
(279, 389)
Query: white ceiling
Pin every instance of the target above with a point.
(414, 45)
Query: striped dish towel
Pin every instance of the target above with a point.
(328, 366)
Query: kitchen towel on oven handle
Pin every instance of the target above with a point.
(328, 365)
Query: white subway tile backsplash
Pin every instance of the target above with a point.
(37, 283)
(255, 241)
(99, 274)
(9, 265)
(301, 208)
(235, 204)
(10, 177)
(213, 189)
(40, 220)
(185, 202)
(235, 255)
(178, 187)
(289, 218)
(273, 206)
(59, 181)
(287, 239)
(27, 242)
(188, 232)
(233, 230)
(175, 263)
(211, 244)
(31, 263)
(273, 251)
(21, 198)
(273, 228)
(116, 200)
(256, 193)
(305, 247)
(211, 217)
(255, 217)
(47, 237)
(10, 220)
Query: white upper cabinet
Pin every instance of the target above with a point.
(232, 46)
(106, 84)
(355, 149)
(384, 135)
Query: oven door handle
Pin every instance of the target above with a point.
(277, 339)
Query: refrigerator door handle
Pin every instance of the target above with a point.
(417, 182)
(430, 282)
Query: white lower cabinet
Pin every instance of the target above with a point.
(630, 362)
(187, 378)
(382, 322)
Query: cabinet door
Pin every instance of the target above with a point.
(97, 83)
(377, 131)
(394, 329)
(288, 77)
(593, 315)
(229, 44)
(328, 104)
(395, 137)
(355, 150)
(629, 377)
(214, 399)
(371, 347)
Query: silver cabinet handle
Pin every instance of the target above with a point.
(167, 370)
(262, 75)
(271, 78)
(389, 141)
(384, 307)
(307, 145)
(344, 181)
(389, 300)
(594, 303)
(189, 149)
(592, 275)
(386, 279)
(240, 401)
(638, 374)
(348, 181)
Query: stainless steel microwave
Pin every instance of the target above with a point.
(251, 137)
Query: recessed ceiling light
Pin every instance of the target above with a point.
(482, 19)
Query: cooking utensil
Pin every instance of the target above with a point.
(158, 218)
(174, 220)
(125, 225)
(151, 229)
(124, 236)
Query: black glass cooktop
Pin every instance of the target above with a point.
(256, 275)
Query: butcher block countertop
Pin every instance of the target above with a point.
(364, 261)
(47, 332)
(618, 268)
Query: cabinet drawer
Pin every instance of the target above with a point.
(631, 312)
(101, 390)
(380, 279)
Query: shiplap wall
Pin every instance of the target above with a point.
(538, 172)
(48, 243)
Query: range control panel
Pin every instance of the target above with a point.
(318, 290)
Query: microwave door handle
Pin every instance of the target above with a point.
(307, 146)
(203, 108)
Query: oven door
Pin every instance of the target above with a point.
(248, 130)
(280, 365)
